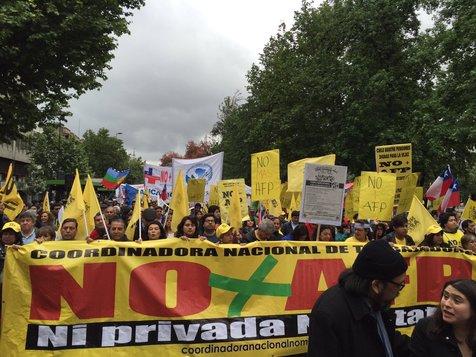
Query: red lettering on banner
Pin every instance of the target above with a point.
(51, 282)
(431, 277)
(147, 289)
(307, 273)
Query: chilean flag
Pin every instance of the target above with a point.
(441, 185)
(452, 197)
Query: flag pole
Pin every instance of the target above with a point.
(85, 224)
(105, 225)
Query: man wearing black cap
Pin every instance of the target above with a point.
(352, 317)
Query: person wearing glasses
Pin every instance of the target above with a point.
(353, 318)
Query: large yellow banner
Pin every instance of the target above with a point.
(173, 298)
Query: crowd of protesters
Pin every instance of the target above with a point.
(375, 279)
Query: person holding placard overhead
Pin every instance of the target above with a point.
(361, 232)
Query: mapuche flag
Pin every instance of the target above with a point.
(114, 178)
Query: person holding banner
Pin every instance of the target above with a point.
(27, 221)
(399, 226)
(187, 228)
(264, 232)
(352, 318)
(434, 237)
(68, 230)
(468, 242)
(451, 330)
(451, 234)
(361, 232)
(155, 230)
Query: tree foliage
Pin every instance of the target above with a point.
(350, 75)
(54, 155)
(104, 151)
(50, 52)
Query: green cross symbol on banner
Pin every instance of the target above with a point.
(248, 288)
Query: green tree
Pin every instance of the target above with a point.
(136, 166)
(349, 75)
(104, 151)
(52, 51)
(54, 154)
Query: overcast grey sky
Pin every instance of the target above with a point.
(174, 69)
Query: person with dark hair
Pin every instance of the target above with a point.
(288, 227)
(117, 230)
(361, 232)
(300, 233)
(451, 234)
(434, 237)
(326, 233)
(399, 234)
(45, 218)
(68, 230)
(147, 216)
(278, 234)
(468, 227)
(99, 231)
(215, 210)
(451, 330)
(343, 232)
(187, 228)
(155, 230)
(209, 227)
(352, 318)
(468, 242)
(379, 231)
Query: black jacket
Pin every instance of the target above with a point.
(341, 325)
(427, 344)
(391, 238)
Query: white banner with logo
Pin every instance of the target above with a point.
(156, 179)
(209, 168)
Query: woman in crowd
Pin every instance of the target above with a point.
(45, 219)
(468, 242)
(155, 231)
(434, 237)
(187, 228)
(169, 233)
(10, 236)
(326, 234)
(45, 234)
(248, 225)
(379, 231)
(361, 232)
(451, 330)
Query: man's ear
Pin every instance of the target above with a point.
(376, 286)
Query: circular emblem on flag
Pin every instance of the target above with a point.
(199, 171)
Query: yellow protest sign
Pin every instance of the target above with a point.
(419, 193)
(348, 207)
(356, 194)
(170, 297)
(227, 188)
(273, 206)
(377, 192)
(469, 210)
(408, 189)
(395, 159)
(196, 190)
(296, 170)
(285, 196)
(265, 181)
(213, 198)
(419, 219)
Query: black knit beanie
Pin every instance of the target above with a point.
(378, 260)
